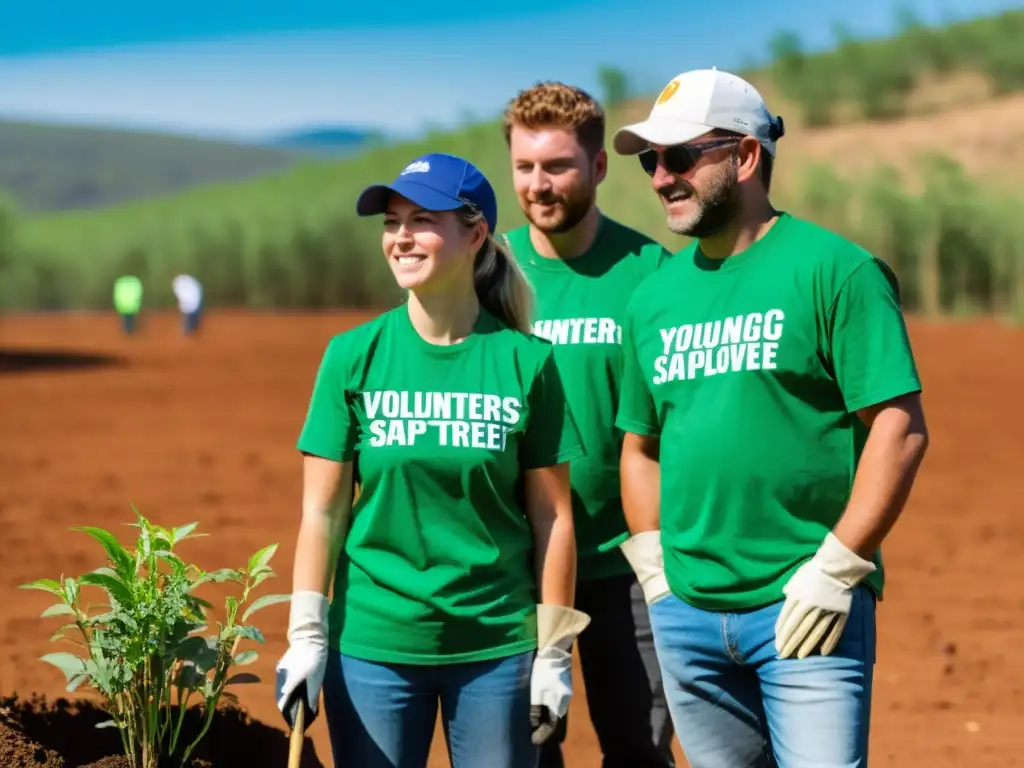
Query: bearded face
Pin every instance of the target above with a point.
(706, 206)
(559, 209)
(555, 180)
(702, 200)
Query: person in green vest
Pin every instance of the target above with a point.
(583, 266)
(128, 301)
(454, 568)
(771, 401)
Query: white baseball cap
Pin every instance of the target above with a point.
(699, 101)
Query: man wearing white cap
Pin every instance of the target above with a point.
(189, 294)
(768, 371)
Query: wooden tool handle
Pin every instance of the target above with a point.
(297, 736)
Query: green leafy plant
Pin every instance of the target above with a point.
(144, 649)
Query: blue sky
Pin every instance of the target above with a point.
(246, 70)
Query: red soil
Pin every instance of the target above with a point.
(204, 429)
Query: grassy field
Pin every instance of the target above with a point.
(927, 186)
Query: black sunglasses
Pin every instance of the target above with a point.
(679, 158)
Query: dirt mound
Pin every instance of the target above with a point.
(37, 733)
(18, 751)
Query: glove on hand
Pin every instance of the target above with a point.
(818, 599)
(551, 679)
(644, 553)
(300, 672)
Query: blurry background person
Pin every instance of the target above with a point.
(128, 301)
(189, 293)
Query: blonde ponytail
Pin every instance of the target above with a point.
(501, 284)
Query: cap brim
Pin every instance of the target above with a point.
(374, 200)
(635, 138)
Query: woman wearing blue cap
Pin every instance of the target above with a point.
(454, 569)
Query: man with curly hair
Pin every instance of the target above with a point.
(583, 266)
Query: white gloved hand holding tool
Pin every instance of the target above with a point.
(300, 672)
(644, 554)
(551, 680)
(818, 599)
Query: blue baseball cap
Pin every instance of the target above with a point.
(435, 182)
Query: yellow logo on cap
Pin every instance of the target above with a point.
(668, 92)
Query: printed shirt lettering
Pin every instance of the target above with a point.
(579, 330)
(455, 419)
(745, 342)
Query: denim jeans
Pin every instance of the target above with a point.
(622, 680)
(735, 704)
(128, 322)
(190, 322)
(383, 715)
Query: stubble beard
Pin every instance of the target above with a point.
(575, 207)
(717, 208)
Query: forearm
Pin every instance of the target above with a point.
(321, 536)
(885, 475)
(549, 509)
(555, 547)
(326, 507)
(640, 482)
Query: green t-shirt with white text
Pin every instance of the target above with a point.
(750, 370)
(580, 306)
(437, 565)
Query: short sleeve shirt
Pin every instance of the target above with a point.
(580, 307)
(437, 564)
(750, 371)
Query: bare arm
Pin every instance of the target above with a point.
(549, 510)
(892, 454)
(640, 479)
(326, 506)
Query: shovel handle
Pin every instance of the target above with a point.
(297, 736)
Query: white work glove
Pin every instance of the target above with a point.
(818, 599)
(644, 553)
(551, 680)
(300, 672)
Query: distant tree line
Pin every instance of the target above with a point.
(957, 246)
(877, 76)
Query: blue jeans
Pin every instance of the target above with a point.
(383, 715)
(734, 704)
(190, 322)
(128, 322)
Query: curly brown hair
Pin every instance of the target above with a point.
(551, 104)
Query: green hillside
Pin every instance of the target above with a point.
(291, 239)
(873, 79)
(51, 167)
